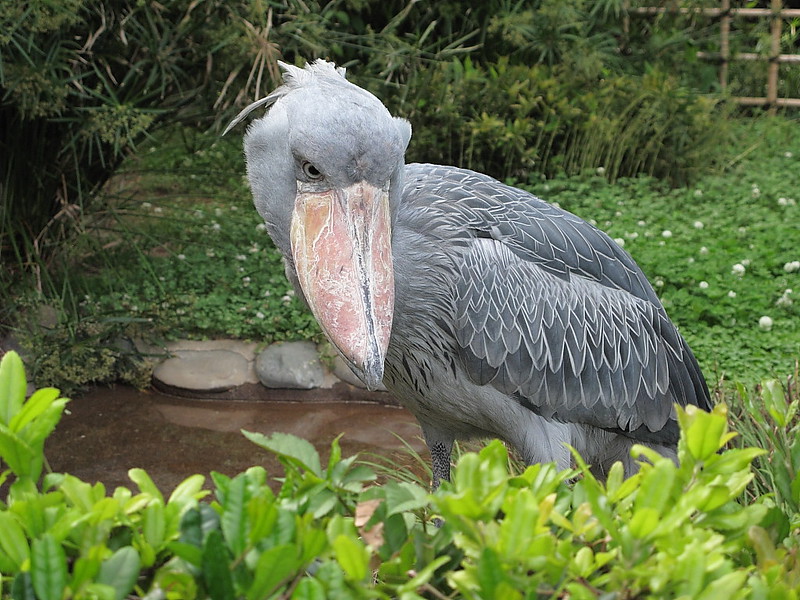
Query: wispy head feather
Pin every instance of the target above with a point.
(293, 77)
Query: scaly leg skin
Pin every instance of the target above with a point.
(440, 461)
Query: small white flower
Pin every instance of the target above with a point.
(216, 226)
(632, 235)
(146, 205)
(698, 225)
(791, 267)
(601, 171)
(731, 294)
(234, 207)
(784, 301)
(286, 299)
(210, 253)
(260, 315)
(788, 154)
(698, 193)
(245, 281)
(181, 257)
(261, 227)
(199, 214)
(765, 323)
(742, 230)
(783, 201)
(703, 285)
(241, 257)
(703, 250)
(620, 242)
(746, 261)
(666, 233)
(738, 269)
(690, 260)
(267, 293)
(218, 212)
(756, 192)
(593, 222)
(158, 209)
(659, 282)
(641, 223)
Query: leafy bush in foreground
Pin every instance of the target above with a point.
(328, 531)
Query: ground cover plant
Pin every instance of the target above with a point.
(322, 531)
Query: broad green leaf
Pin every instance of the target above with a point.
(352, 555)
(655, 489)
(705, 432)
(188, 490)
(774, 397)
(217, 568)
(274, 566)
(724, 587)
(424, 575)
(188, 552)
(120, 571)
(33, 407)
(301, 452)
(309, 589)
(20, 457)
(490, 572)
(234, 517)
(12, 386)
(48, 568)
(99, 591)
(13, 540)
(22, 587)
(644, 521)
(403, 496)
(154, 525)
(314, 542)
(262, 515)
(43, 425)
(145, 483)
(86, 568)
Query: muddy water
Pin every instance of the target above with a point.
(110, 430)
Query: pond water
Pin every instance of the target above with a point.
(110, 430)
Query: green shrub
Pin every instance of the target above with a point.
(326, 531)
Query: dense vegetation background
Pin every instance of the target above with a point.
(124, 215)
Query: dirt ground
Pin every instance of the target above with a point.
(108, 431)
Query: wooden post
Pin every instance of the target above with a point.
(724, 44)
(775, 49)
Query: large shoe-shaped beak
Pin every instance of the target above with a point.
(341, 244)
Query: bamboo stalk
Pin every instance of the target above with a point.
(718, 57)
(774, 50)
(724, 44)
(786, 13)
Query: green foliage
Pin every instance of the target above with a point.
(518, 121)
(322, 531)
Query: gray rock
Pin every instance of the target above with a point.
(207, 370)
(293, 365)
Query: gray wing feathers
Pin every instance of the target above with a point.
(551, 311)
(561, 347)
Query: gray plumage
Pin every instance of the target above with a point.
(512, 318)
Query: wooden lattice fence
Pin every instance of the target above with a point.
(725, 13)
